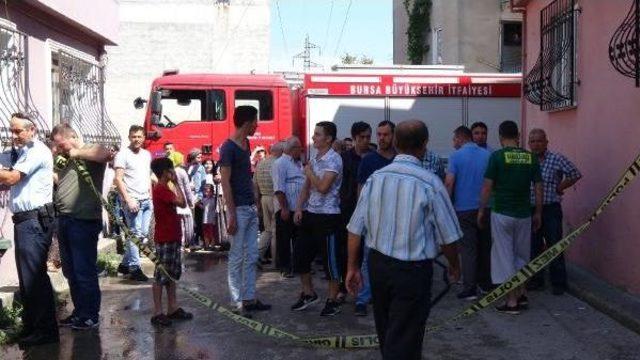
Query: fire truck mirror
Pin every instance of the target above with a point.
(156, 104)
(138, 103)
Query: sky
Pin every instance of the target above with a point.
(368, 30)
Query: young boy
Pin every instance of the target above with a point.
(167, 242)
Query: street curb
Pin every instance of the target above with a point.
(614, 302)
(58, 281)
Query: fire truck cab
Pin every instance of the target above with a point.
(196, 110)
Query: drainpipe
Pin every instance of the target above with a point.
(523, 103)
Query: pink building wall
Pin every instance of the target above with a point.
(601, 136)
(84, 26)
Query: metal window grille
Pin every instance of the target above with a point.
(14, 85)
(80, 93)
(624, 47)
(551, 83)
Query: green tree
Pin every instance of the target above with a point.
(348, 59)
(419, 15)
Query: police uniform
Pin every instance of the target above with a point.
(33, 218)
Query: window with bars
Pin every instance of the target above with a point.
(551, 83)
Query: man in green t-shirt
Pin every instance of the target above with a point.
(508, 178)
(79, 223)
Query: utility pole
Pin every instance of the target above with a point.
(305, 55)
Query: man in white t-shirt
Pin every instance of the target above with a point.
(133, 181)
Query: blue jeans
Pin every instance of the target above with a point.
(139, 223)
(243, 255)
(364, 296)
(78, 241)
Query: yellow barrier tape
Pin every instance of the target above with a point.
(370, 341)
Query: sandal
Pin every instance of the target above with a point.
(180, 314)
(161, 320)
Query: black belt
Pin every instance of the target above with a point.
(47, 210)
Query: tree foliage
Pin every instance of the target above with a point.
(348, 59)
(419, 15)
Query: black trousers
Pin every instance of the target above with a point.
(401, 292)
(286, 233)
(32, 240)
(550, 233)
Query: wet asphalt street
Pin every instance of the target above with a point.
(555, 327)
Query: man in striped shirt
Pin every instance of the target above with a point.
(406, 214)
(558, 174)
(263, 190)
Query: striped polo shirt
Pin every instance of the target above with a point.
(405, 212)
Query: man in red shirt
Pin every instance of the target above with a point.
(167, 240)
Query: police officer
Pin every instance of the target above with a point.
(29, 173)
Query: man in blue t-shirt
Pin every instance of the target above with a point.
(370, 163)
(242, 214)
(463, 181)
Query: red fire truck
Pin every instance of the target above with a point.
(196, 110)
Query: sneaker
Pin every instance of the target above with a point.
(68, 321)
(123, 269)
(360, 310)
(331, 308)
(287, 275)
(506, 309)
(470, 295)
(257, 305)
(240, 310)
(138, 275)
(523, 302)
(304, 301)
(161, 320)
(84, 324)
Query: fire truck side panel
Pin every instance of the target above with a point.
(493, 111)
(343, 111)
(442, 116)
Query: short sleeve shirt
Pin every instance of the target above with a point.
(328, 203)
(35, 189)
(74, 196)
(239, 160)
(137, 171)
(512, 171)
(468, 165)
(370, 163)
(164, 210)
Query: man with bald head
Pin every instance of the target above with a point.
(288, 179)
(28, 170)
(406, 213)
(558, 174)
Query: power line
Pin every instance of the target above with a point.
(284, 40)
(234, 32)
(346, 18)
(326, 35)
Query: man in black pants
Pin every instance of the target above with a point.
(29, 172)
(288, 179)
(406, 213)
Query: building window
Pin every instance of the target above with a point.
(551, 83)
(260, 99)
(436, 46)
(511, 47)
(78, 98)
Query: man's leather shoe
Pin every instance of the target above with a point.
(39, 339)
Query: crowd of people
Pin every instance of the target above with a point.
(374, 216)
